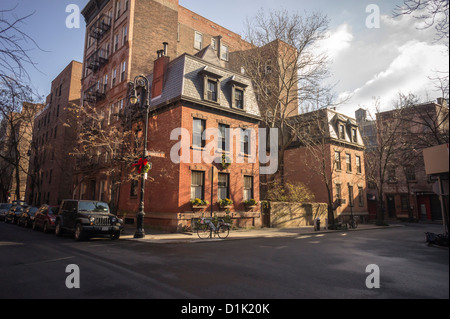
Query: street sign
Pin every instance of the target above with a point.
(155, 154)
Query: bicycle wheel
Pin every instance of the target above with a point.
(203, 231)
(223, 231)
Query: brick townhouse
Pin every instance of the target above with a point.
(50, 170)
(198, 95)
(330, 161)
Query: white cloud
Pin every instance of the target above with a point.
(337, 41)
(398, 57)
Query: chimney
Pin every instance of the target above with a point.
(159, 71)
(441, 101)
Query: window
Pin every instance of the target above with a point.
(268, 67)
(337, 160)
(198, 129)
(133, 188)
(223, 184)
(212, 90)
(122, 74)
(116, 42)
(248, 187)
(392, 178)
(224, 52)
(410, 173)
(358, 164)
(107, 49)
(117, 9)
(338, 191)
(341, 131)
(214, 43)
(198, 40)
(124, 34)
(197, 184)
(114, 76)
(360, 196)
(354, 136)
(404, 202)
(224, 137)
(239, 99)
(350, 195)
(348, 161)
(245, 141)
(105, 83)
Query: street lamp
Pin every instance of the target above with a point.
(141, 82)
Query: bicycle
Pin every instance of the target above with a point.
(206, 227)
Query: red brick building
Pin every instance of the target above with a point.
(329, 160)
(50, 169)
(199, 95)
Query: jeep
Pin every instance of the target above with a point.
(87, 218)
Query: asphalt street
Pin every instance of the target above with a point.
(327, 265)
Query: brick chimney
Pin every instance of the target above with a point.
(159, 71)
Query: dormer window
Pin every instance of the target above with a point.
(342, 131)
(237, 93)
(239, 99)
(354, 136)
(211, 85)
(212, 90)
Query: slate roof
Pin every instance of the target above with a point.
(184, 80)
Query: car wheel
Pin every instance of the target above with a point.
(58, 229)
(79, 236)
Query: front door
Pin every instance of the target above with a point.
(391, 206)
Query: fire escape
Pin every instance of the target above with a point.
(97, 60)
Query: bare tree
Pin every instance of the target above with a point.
(380, 159)
(14, 46)
(431, 12)
(287, 72)
(17, 112)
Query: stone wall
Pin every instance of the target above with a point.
(289, 215)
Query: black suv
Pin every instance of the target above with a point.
(87, 218)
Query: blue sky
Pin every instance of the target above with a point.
(367, 63)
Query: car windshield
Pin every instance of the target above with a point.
(98, 207)
(5, 206)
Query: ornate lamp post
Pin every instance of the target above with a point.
(141, 82)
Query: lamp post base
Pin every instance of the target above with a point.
(139, 234)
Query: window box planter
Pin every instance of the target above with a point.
(225, 203)
(250, 204)
(199, 203)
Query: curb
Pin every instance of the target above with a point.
(278, 233)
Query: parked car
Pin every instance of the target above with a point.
(19, 202)
(13, 214)
(87, 218)
(4, 208)
(26, 219)
(45, 218)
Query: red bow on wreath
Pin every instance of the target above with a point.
(141, 163)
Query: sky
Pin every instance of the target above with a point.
(367, 63)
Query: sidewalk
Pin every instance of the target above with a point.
(159, 237)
